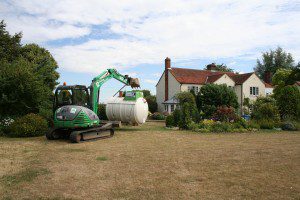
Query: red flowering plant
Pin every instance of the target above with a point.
(225, 114)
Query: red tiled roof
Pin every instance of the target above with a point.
(297, 83)
(240, 78)
(194, 76)
(213, 78)
(268, 85)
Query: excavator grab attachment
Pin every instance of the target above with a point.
(134, 82)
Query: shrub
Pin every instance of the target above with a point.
(170, 121)
(252, 124)
(185, 97)
(29, 125)
(4, 125)
(151, 100)
(265, 108)
(220, 127)
(288, 126)
(240, 123)
(177, 116)
(266, 124)
(288, 99)
(188, 114)
(211, 96)
(157, 116)
(225, 114)
(102, 112)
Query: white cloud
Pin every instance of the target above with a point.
(151, 30)
(150, 81)
(157, 75)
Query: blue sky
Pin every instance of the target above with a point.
(86, 37)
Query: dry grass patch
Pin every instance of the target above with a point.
(151, 162)
(26, 175)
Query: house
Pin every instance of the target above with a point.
(175, 80)
(269, 89)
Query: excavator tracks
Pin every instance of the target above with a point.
(76, 136)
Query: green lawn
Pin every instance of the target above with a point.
(151, 162)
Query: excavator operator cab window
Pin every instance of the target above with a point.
(71, 96)
(81, 97)
(64, 97)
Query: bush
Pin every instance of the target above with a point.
(225, 114)
(177, 115)
(266, 124)
(265, 111)
(102, 112)
(151, 100)
(240, 123)
(288, 126)
(252, 124)
(188, 114)
(29, 125)
(157, 116)
(211, 96)
(288, 99)
(4, 125)
(220, 127)
(170, 121)
(185, 97)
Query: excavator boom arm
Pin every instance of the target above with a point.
(108, 74)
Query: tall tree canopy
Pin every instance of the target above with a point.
(9, 44)
(222, 68)
(27, 76)
(272, 61)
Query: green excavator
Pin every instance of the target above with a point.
(75, 109)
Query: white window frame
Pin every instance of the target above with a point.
(172, 107)
(254, 91)
(195, 88)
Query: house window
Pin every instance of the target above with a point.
(254, 91)
(166, 108)
(194, 88)
(172, 107)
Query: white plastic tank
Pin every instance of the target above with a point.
(135, 111)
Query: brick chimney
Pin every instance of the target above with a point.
(211, 67)
(167, 67)
(268, 77)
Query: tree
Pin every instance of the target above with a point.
(288, 100)
(151, 100)
(28, 76)
(146, 93)
(9, 45)
(222, 68)
(274, 60)
(281, 77)
(43, 62)
(294, 75)
(22, 91)
(212, 96)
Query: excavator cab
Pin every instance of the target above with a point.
(71, 95)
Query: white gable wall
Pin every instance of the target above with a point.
(225, 79)
(174, 88)
(253, 81)
(160, 93)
